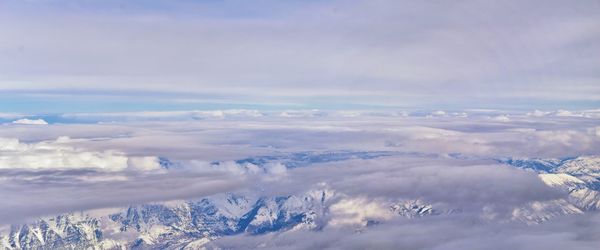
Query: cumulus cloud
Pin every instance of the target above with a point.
(538, 113)
(501, 118)
(26, 121)
(357, 211)
(59, 155)
(438, 113)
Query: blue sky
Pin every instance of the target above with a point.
(52, 102)
(101, 56)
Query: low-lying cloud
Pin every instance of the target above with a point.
(446, 161)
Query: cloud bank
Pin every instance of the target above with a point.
(375, 168)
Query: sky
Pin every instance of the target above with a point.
(110, 56)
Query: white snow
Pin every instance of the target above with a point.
(559, 179)
(583, 165)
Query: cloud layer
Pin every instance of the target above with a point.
(446, 160)
(410, 53)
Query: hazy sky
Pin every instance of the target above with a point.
(61, 56)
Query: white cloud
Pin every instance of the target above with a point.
(562, 112)
(501, 118)
(538, 113)
(59, 155)
(358, 211)
(276, 169)
(143, 163)
(438, 113)
(26, 121)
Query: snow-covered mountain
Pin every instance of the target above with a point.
(578, 176)
(192, 224)
(187, 224)
(303, 159)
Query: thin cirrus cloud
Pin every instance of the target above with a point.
(368, 52)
